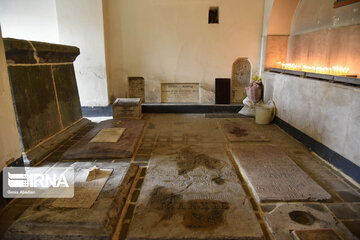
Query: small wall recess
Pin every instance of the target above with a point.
(213, 15)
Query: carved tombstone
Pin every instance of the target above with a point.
(137, 88)
(240, 78)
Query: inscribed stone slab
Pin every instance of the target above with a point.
(108, 135)
(137, 88)
(241, 130)
(124, 148)
(86, 192)
(42, 221)
(289, 217)
(271, 175)
(192, 192)
(240, 78)
(179, 92)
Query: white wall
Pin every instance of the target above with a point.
(171, 41)
(319, 15)
(81, 24)
(327, 112)
(9, 139)
(29, 19)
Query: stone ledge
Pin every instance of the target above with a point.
(31, 52)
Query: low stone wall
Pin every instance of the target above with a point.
(44, 88)
(327, 112)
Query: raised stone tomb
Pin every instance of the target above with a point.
(271, 174)
(123, 148)
(45, 221)
(192, 192)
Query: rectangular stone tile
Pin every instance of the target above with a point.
(67, 93)
(192, 192)
(42, 221)
(287, 217)
(273, 176)
(35, 102)
(241, 130)
(123, 148)
(108, 135)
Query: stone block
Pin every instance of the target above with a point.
(35, 101)
(137, 88)
(127, 108)
(18, 51)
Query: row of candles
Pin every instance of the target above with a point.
(334, 70)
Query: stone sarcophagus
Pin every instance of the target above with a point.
(127, 108)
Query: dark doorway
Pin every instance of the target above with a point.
(222, 91)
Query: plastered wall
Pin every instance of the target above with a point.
(9, 139)
(171, 41)
(327, 112)
(81, 24)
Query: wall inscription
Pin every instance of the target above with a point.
(180, 92)
(137, 88)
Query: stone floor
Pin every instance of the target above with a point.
(342, 213)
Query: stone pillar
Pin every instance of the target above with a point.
(44, 88)
(240, 78)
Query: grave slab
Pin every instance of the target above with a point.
(241, 130)
(271, 173)
(287, 217)
(192, 192)
(43, 221)
(123, 148)
(240, 78)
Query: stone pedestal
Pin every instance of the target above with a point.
(127, 108)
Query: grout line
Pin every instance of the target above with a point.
(128, 202)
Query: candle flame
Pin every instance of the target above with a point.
(334, 70)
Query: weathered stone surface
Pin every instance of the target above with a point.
(240, 78)
(241, 130)
(124, 148)
(192, 192)
(35, 102)
(318, 234)
(18, 51)
(286, 217)
(137, 88)
(127, 108)
(22, 51)
(108, 135)
(67, 93)
(271, 173)
(55, 53)
(40, 221)
(179, 92)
